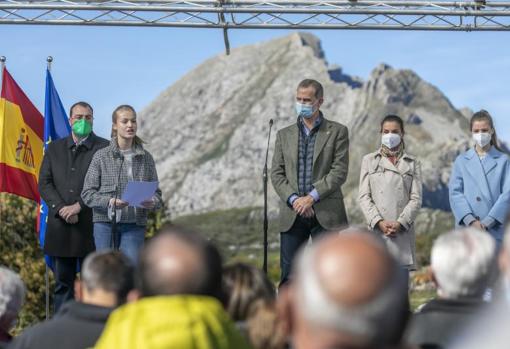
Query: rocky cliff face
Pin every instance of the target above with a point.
(208, 131)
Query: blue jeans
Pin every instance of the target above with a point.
(130, 238)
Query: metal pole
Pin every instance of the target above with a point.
(264, 181)
(2, 67)
(46, 273)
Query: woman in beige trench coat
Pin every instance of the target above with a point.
(390, 191)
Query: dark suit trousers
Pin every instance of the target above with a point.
(293, 239)
(64, 270)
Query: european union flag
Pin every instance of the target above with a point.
(56, 125)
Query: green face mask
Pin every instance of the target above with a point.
(82, 128)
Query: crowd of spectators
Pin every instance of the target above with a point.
(347, 291)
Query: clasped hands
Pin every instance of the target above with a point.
(389, 228)
(477, 224)
(303, 206)
(70, 213)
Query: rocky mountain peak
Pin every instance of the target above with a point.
(310, 40)
(212, 158)
(381, 69)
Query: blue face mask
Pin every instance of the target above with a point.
(304, 110)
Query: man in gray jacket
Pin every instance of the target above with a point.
(310, 164)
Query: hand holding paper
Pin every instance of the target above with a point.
(148, 204)
(140, 193)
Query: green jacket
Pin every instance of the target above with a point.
(330, 165)
(163, 322)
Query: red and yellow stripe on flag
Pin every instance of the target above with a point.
(21, 141)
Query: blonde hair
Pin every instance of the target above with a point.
(124, 107)
(264, 328)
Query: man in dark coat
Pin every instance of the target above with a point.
(106, 279)
(462, 263)
(69, 228)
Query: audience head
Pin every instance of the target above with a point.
(263, 327)
(504, 254)
(344, 289)
(179, 261)
(243, 285)
(463, 262)
(12, 294)
(106, 279)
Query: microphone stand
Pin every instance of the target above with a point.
(114, 244)
(264, 180)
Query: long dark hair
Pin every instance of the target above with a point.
(393, 118)
(483, 115)
(138, 140)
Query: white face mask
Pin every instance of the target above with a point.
(482, 138)
(391, 140)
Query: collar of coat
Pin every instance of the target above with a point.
(316, 124)
(403, 166)
(405, 155)
(137, 148)
(88, 142)
(493, 153)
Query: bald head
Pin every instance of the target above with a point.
(179, 261)
(343, 264)
(348, 284)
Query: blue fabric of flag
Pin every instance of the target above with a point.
(56, 125)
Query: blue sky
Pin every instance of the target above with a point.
(110, 66)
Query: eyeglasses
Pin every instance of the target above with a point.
(80, 116)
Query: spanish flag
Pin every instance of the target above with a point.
(21, 141)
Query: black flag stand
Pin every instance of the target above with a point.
(264, 180)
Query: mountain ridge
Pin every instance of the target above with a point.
(208, 130)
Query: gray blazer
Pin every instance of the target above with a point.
(330, 165)
(101, 181)
(392, 192)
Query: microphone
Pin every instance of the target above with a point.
(264, 181)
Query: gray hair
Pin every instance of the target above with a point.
(110, 271)
(12, 294)
(463, 262)
(369, 321)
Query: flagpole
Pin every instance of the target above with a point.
(2, 67)
(49, 59)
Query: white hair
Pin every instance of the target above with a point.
(372, 322)
(463, 262)
(12, 294)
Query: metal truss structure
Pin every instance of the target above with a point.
(478, 15)
(253, 14)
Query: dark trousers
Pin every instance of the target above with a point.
(64, 270)
(293, 239)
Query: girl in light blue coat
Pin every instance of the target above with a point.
(480, 181)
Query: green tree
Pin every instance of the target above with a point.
(20, 251)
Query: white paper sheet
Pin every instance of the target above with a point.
(136, 192)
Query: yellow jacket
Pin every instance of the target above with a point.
(164, 322)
